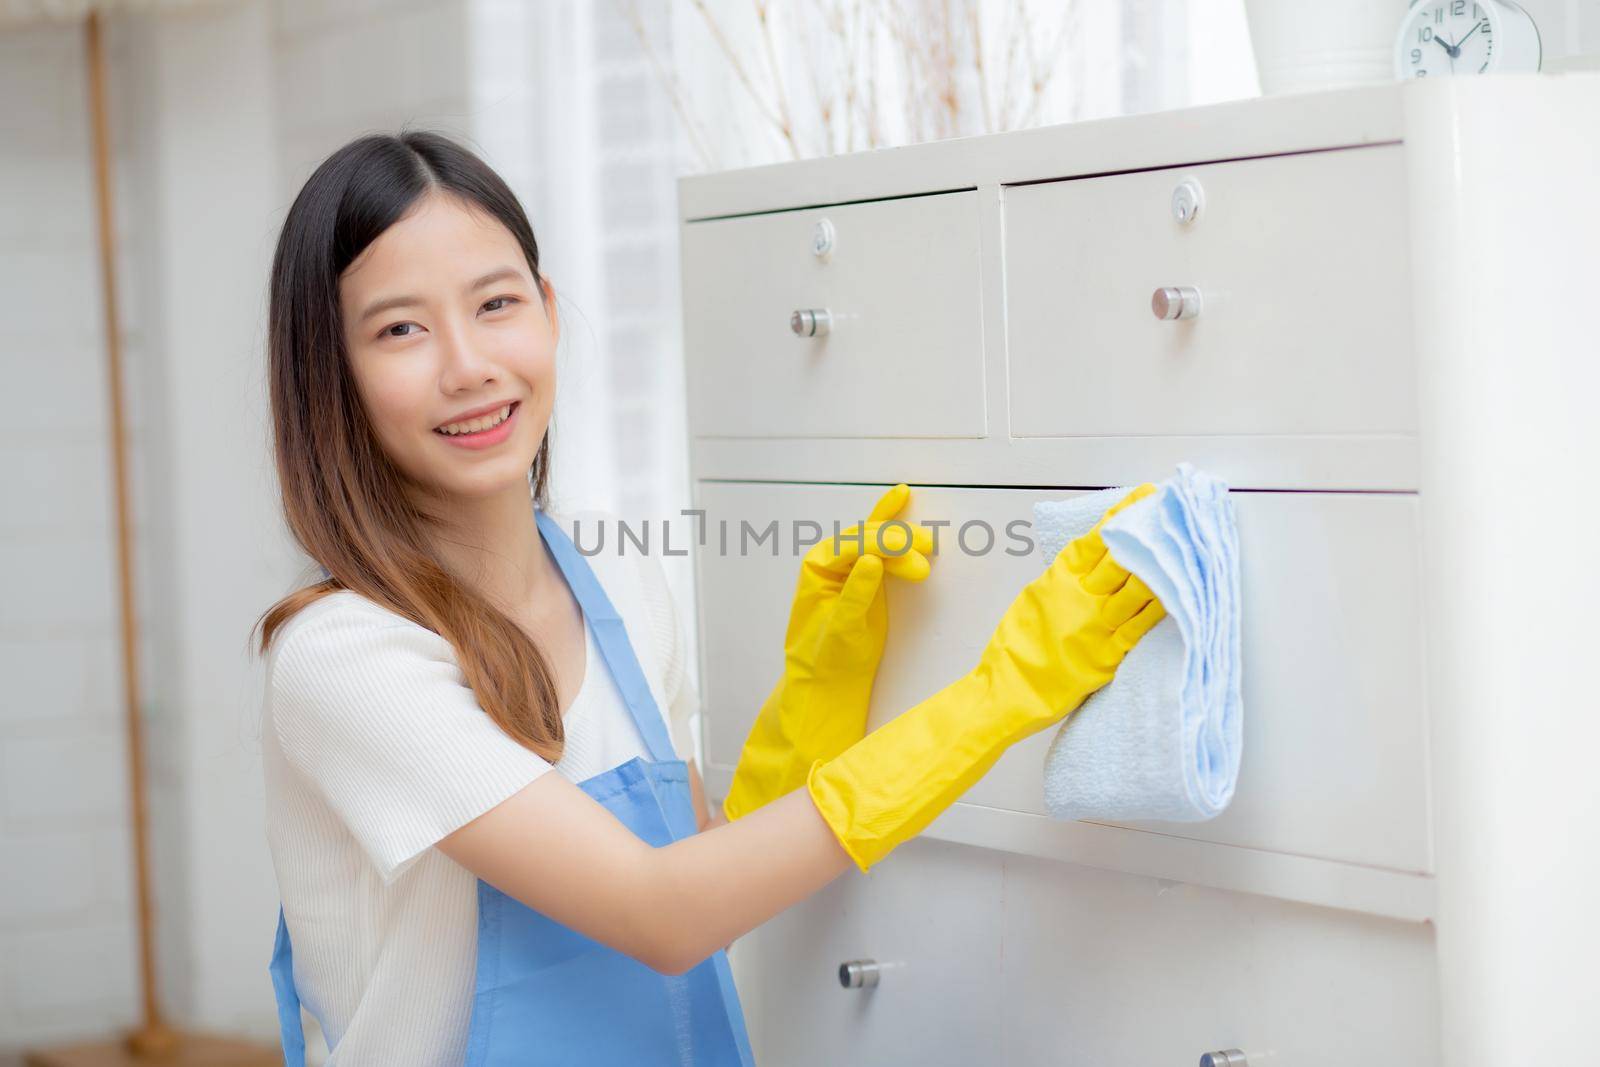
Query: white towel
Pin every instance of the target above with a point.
(1162, 740)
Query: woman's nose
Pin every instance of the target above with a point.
(465, 361)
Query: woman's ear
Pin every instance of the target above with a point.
(550, 305)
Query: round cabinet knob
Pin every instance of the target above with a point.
(858, 974)
(1227, 1058)
(1175, 302)
(811, 322)
(1187, 200)
(822, 238)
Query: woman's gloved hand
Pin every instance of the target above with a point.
(838, 624)
(1062, 638)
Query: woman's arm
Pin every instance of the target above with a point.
(557, 850)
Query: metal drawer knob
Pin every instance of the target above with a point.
(811, 322)
(1187, 200)
(1175, 302)
(1227, 1058)
(858, 974)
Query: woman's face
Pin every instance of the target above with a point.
(445, 329)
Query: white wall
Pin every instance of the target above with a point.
(198, 205)
(66, 956)
(209, 146)
(193, 121)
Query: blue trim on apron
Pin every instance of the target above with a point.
(545, 993)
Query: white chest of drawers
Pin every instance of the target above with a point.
(1387, 365)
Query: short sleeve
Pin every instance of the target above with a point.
(683, 700)
(375, 711)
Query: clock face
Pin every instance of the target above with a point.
(1445, 37)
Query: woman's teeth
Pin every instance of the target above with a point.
(476, 425)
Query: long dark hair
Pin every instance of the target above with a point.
(342, 497)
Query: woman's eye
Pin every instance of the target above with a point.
(399, 328)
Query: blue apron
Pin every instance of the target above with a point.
(546, 993)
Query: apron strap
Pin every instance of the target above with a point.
(612, 637)
(282, 971)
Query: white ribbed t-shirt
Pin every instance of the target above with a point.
(374, 748)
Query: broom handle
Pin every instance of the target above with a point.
(153, 1032)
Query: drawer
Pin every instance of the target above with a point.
(931, 920)
(1301, 262)
(1335, 761)
(1104, 969)
(989, 958)
(904, 356)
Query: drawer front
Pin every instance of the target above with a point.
(931, 920)
(990, 958)
(1335, 762)
(904, 355)
(1104, 969)
(1301, 263)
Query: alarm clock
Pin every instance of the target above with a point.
(1442, 38)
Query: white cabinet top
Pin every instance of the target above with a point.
(1237, 129)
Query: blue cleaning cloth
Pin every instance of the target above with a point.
(1162, 740)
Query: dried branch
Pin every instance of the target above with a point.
(824, 99)
(1009, 77)
(697, 140)
(777, 75)
(744, 78)
(1043, 69)
(975, 21)
(952, 80)
(871, 103)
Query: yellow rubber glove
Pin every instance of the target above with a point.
(1061, 639)
(838, 623)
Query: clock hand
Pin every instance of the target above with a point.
(1469, 33)
(1449, 49)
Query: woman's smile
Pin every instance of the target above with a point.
(484, 431)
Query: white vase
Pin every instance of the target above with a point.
(1304, 45)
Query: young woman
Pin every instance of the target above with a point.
(445, 899)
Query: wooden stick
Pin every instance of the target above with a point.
(153, 1036)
